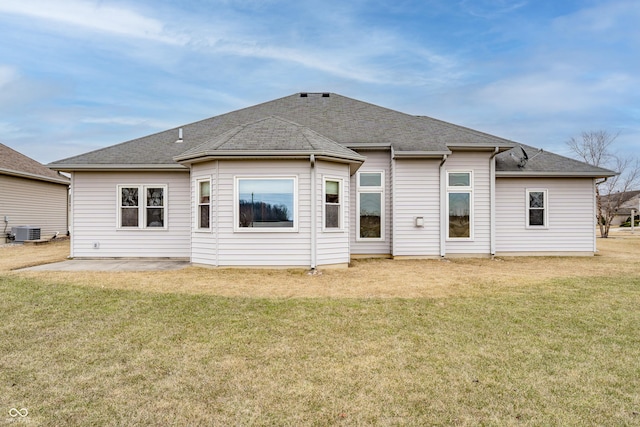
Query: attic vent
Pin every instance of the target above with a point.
(325, 95)
(304, 95)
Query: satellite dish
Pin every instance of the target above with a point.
(522, 160)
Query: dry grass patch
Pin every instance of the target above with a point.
(21, 256)
(563, 353)
(521, 341)
(379, 278)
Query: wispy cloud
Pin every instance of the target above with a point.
(7, 75)
(491, 8)
(95, 16)
(359, 60)
(125, 121)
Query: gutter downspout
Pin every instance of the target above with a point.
(492, 201)
(70, 221)
(393, 202)
(312, 160)
(443, 207)
(217, 204)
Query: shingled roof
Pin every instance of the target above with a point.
(270, 136)
(333, 122)
(17, 164)
(530, 161)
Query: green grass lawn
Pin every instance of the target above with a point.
(563, 352)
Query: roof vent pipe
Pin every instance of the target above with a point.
(179, 140)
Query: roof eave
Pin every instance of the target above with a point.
(271, 154)
(553, 174)
(118, 167)
(384, 146)
(481, 146)
(420, 154)
(33, 176)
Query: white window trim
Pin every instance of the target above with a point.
(197, 227)
(383, 207)
(142, 206)
(236, 204)
(545, 208)
(462, 189)
(341, 228)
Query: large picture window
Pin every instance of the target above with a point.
(332, 204)
(204, 204)
(266, 204)
(142, 206)
(370, 219)
(460, 205)
(536, 208)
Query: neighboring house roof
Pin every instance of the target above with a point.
(17, 164)
(625, 201)
(322, 123)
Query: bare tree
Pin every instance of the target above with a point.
(595, 148)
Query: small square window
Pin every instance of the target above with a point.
(368, 179)
(459, 179)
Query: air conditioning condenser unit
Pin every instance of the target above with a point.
(25, 232)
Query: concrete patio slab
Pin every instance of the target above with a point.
(110, 265)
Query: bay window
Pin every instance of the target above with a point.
(332, 204)
(265, 204)
(204, 204)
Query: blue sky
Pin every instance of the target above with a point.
(77, 75)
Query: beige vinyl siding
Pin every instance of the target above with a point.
(224, 246)
(478, 163)
(376, 161)
(417, 194)
(31, 202)
(95, 209)
(332, 246)
(571, 216)
(246, 248)
(204, 248)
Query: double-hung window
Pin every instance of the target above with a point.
(142, 206)
(332, 204)
(370, 201)
(204, 204)
(536, 208)
(266, 204)
(460, 205)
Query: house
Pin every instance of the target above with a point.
(621, 205)
(316, 179)
(31, 194)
